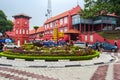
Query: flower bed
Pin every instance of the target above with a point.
(51, 58)
(31, 52)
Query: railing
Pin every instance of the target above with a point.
(104, 21)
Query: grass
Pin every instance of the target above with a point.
(110, 34)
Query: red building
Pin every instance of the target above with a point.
(70, 23)
(75, 27)
(63, 22)
(20, 31)
(35, 35)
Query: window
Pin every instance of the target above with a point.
(48, 26)
(76, 19)
(91, 38)
(65, 29)
(26, 31)
(51, 24)
(47, 32)
(25, 41)
(20, 31)
(61, 21)
(65, 19)
(85, 37)
(16, 31)
(23, 31)
(51, 31)
(61, 29)
(57, 23)
(45, 26)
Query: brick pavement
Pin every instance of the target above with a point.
(110, 71)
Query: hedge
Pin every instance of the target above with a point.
(50, 58)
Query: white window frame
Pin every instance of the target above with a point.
(65, 20)
(86, 37)
(91, 38)
(61, 29)
(51, 31)
(65, 29)
(20, 31)
(16, 31)
(51, 24)
(27, 32)
(23, 31)
(61, 21)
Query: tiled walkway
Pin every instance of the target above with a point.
(109, 71)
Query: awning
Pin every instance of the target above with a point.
(10, 34)
(72, 31)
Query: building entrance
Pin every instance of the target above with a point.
(73, 36)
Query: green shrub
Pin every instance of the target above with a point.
(50, 57)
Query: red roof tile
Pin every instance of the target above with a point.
(10, 33)
(40, 29)
(72, 31)
(22, 14)
(66, 13)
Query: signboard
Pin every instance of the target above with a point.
(60, 34)
(55, 33)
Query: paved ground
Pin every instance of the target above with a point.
(110, 71)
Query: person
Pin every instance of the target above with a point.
(1, 42)
(86, 44)
(97, 45)
(115, 43)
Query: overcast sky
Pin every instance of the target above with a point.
(36, 8)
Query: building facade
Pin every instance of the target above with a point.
(75, 27)
(63, 22)
(21, 29)
(36, 35)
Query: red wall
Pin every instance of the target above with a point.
(112, 42)
(22, 26)
(97, 37)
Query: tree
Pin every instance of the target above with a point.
(9, 25)
(41, 35)
(100, 7)
(5, 25)
(36, 27)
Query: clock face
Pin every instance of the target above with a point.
(18, 22)
(25, 22)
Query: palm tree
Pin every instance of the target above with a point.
(36, 27)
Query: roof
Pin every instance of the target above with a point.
(72, 31)
(21, 15)
(66, 13)
(112, 15)
(40, 29)
(10, 33)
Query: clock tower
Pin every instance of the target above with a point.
(21, 29)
